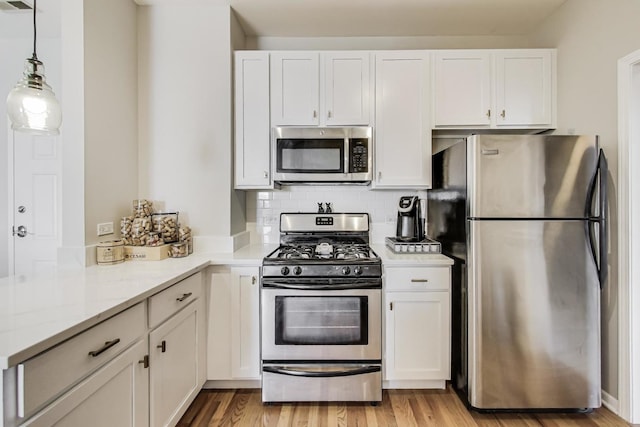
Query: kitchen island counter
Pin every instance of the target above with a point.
(41, 311)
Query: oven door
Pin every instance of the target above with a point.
(310, 159)
(321, 324)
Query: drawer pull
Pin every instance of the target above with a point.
(184, 296)
(163, 346)
(105, 347)
(145, 361)
(419, 280)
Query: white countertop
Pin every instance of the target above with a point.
(41, 311)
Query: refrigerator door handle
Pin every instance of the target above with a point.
(600, 218)
(603, 228)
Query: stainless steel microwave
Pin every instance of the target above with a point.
(306, 155)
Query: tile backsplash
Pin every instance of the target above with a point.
(264, 207)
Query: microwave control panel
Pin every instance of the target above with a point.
(358, 155)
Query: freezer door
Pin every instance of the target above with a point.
(530, 176)
(534, 316)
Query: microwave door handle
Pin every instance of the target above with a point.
(299, 372)
(347, 154)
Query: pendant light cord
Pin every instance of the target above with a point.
(34, 30)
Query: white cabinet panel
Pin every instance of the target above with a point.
(403, 127)
(234, 324)
(295, 88)
(173, 356)
(523, 87)
(346, 88)
(417, 336)
(115, 395)
(462, 88)
(252, 120)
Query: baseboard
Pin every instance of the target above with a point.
(226, 384)
(403, 384)
(610, 402)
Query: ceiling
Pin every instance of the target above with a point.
(343, 18)
(391, 18)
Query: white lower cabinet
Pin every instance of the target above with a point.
(115, 395)
(174, 365)
(132, 370)
(234, 324)
(417, 327)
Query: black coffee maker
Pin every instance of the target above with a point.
(410, 225)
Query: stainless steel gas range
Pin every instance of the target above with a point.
(321, 296)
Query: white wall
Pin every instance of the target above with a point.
(591, 35)
(185, 112)
(111, 112)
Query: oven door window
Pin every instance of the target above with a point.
(321, 320)
(310, 156)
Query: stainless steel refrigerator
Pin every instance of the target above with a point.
(524, 218)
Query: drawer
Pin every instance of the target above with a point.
(417, 278)
(44, 377)
(164, 304)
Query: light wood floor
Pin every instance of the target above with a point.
(398, 408)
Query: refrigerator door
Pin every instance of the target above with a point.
(530, 176)
(534, 316)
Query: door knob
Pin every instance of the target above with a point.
(21, 231)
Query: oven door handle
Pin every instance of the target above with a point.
(314, 287)
(341, 372)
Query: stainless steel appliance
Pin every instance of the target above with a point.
(524, 218)
(321, 309)
(409, 227)
(322, 155)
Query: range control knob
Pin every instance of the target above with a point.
(297, 271)
(357, 270)
(284, 271)
(346, 271)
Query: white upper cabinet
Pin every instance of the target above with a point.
(403, 126)
(511, 89)
(462, 88)
(524, 88)
(346, 88)
(320, 89)
(252, 126)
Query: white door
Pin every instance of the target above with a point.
(245, 324)
(34, 203)
(295, 89)
(346, 88)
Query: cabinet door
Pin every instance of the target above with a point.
(346, 88)
(403, 130)
(253, 130)
(173, 358)
(115, 395)
(245, 323)
(295, 89)
(462, 88)
(524, 88)
(234, 325)
(417, 336)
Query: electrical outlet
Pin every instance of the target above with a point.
(105, 228)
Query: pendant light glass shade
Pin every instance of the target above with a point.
(31, 105)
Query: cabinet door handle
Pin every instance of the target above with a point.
(502, 114)
(488, 114)
(162, 346)
(265, 174)
(419, 280)
(253, 280)
(184, 296)
(329, 114)
(379, 176)
(315, 114)
(391, 306)
(145, 361)
(107, 345)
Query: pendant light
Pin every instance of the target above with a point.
(31, 105)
